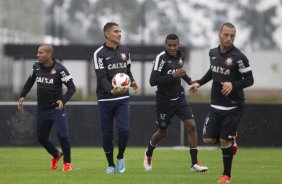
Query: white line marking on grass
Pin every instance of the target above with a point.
(185, 147)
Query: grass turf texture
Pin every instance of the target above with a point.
(31, 165)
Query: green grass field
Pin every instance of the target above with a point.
(170, 166)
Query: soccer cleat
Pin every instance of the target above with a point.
(120, 166)
(234, 144)
(199, 167)
(224, 179)
(110, 170)
(55, 161)
(67, 167)
(148, 163)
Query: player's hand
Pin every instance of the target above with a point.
(193, 88)
(20, 105)
(60, 104)
(179, 73)
(135, 87)
(226, 88)
(117, 91)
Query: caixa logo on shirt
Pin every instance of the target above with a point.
(116, 66)
(221, 70)
(171, 71)
(44, 80)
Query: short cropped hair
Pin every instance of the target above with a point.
(48, 48)
(227, 24)
(108, 25)
(172, 37)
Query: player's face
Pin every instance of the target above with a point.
(172, 47)
(226, 37)
(114, 34)
(42, 55)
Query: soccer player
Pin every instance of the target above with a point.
(49, 76)
(231, 73)
(166, 74)
(113, 103)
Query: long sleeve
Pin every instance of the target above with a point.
(102, 77)
(129, 73)
(187, 79)
(206, 78)
(28, 85)
(101, 72)
(246, 72)
(156, 78)
(70, 92)
(68, 82)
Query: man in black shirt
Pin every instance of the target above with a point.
(110, 59)
(166, 74)
(49, 76)
(231, 73)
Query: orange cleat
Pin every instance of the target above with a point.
(55, 161)
(67, 167)
(224, 179)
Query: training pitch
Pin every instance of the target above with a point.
(170, 166)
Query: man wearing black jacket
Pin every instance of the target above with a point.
(231, 73)
(113, 103)
(49, 76)
(166, 74)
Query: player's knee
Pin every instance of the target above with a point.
(192, 127)
(62, 137)
(190, 124)
(209, 141)
(107, 134)
(162, 125)
(124, 134)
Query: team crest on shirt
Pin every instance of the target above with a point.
(228, 61)
(53, 71)
(123, 56)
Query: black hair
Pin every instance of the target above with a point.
(108, 25)
(172, 37)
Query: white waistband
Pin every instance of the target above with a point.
(112, 99)
(222, 107)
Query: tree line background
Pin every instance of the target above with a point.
(149, 21)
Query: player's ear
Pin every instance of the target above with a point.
(106, 34)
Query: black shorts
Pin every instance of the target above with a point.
(166, 109)
(222, 123)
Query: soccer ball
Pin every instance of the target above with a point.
(121, 80)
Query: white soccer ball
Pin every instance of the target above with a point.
(121, 80)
